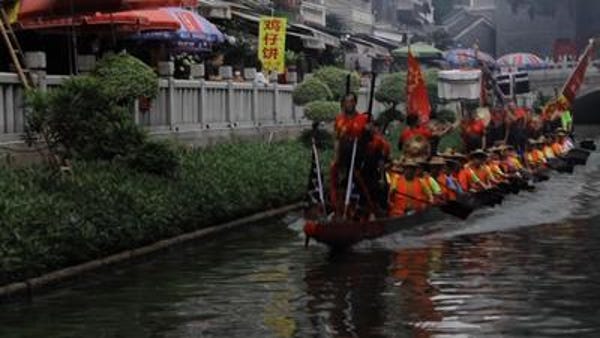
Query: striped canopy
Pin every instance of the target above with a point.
(467, 57)
(524, 61)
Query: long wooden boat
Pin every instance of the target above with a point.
(339, 234)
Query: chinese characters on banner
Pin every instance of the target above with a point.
(271, 45)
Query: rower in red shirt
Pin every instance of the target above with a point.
(413, 129)
(473, 132)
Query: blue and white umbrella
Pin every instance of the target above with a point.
(195, 33)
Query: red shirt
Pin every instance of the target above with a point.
(350, 126)
(474, 128)
(409, 133)
(379, 145)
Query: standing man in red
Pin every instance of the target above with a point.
(350, 125)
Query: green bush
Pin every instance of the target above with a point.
(49, 222)
(87, 117)
(126, 78)
(392, 89)
(80, 120)
(154, 157)
(446, 115)
(335, 78)
(321, 111)
(311, 90)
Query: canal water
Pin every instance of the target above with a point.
(529, 268)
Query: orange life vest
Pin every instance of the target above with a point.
(468, 179)
(557, 148)
(399, 203)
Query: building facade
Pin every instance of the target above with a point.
(502, 27)
(356, 15)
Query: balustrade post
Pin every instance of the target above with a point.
(254, 108)
(202, 105)
(275, 101)
(229, 104)
(167, 70)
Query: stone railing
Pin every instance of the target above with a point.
(184, 106)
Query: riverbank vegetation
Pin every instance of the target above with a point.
(107, 187)
(51, 221)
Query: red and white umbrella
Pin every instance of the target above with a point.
(524, 61)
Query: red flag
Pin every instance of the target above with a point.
(576, 79)
(416, 89)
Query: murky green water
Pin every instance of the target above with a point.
(530, 268)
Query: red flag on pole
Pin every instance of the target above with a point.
(416, 89)
(576, 78)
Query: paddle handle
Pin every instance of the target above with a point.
(350, 176)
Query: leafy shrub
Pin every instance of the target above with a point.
(446, 115)
(392, 89)
(155, 158)
(311, 90)
(321, 111)
(80, 120)
(126, 78)
(50, 222)
(86, 118)
(335, 78)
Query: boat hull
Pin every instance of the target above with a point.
(345, 233)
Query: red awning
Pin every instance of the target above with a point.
(36, 9)
(135, 21)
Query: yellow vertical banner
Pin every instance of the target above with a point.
(271, 43)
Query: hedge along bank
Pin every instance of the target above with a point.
(51, 222)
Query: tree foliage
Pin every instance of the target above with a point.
(392, 89)
(322, 111)
(310, 90)
(126, 78)
(335, 78)
(88, 118)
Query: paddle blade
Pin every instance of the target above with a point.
(457, 209)
(588, 145)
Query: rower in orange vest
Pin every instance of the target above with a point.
(548, 148)
(535, 155)
(494, 164)
(564, 141)
(437, 179)
(474, 177)
(407, 192)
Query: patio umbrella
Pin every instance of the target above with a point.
(183, 29)
(419, 50)
(524, 61)
(195, 33)
(467, 57)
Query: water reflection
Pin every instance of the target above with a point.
(480, 278)
(345, 294)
